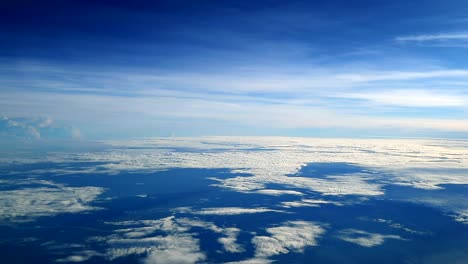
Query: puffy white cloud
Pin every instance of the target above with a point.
(365, 239)
(290, 236)
(230, 241)
(138, 237)
(174, 256)
(35, 128)
(166, 240)
(30, 203)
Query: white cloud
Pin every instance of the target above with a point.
(290, 236)
(308, 203)
(409, 98)
(166, 240)
(138, 237)
(79, 256)
(312, 113)
(252, 261)
(230, 241)
(364, 238)
(174, 256)
(158, 99)
(180, 247)
(233, 211)
(27, 127)
(278, 192)
(355, 184)
(419, 163)
(396, 225)
(434, 37)
(402, 75)
(30, 203)
(429, 178)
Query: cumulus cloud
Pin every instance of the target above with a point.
(229, 242)
(139, 238)
(18, 128)
(36, 128)
(166, 240)
(29, 203)
(174, 256)
(290, 236)
(365, 239)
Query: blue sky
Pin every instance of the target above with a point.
(115, 69)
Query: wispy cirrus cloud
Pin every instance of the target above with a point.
(228, 210)
(409, 98)
(434, 37)
(258, 97)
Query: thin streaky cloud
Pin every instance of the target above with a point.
(434, 37)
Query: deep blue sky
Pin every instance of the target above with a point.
(105, 69)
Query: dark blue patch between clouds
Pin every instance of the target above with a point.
(173, 188)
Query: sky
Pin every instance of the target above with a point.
(90, 70)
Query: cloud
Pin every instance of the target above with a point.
(36, 128)
(16, 128)
(260, 99)
(79, 256)
(174, 256)
(290, 236)
(308, 203)
(365, 239)
(418, 163)
(75, 133)
(165, 240)
(46, 122)
(429, 178)
(278, 192)
(333, 185)
(435, 37)
(175, 245)
(395, 225)
(380, 76)
(230, 241)
(228, 211)
(252, 261)
(409, 98)
(30, 203)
